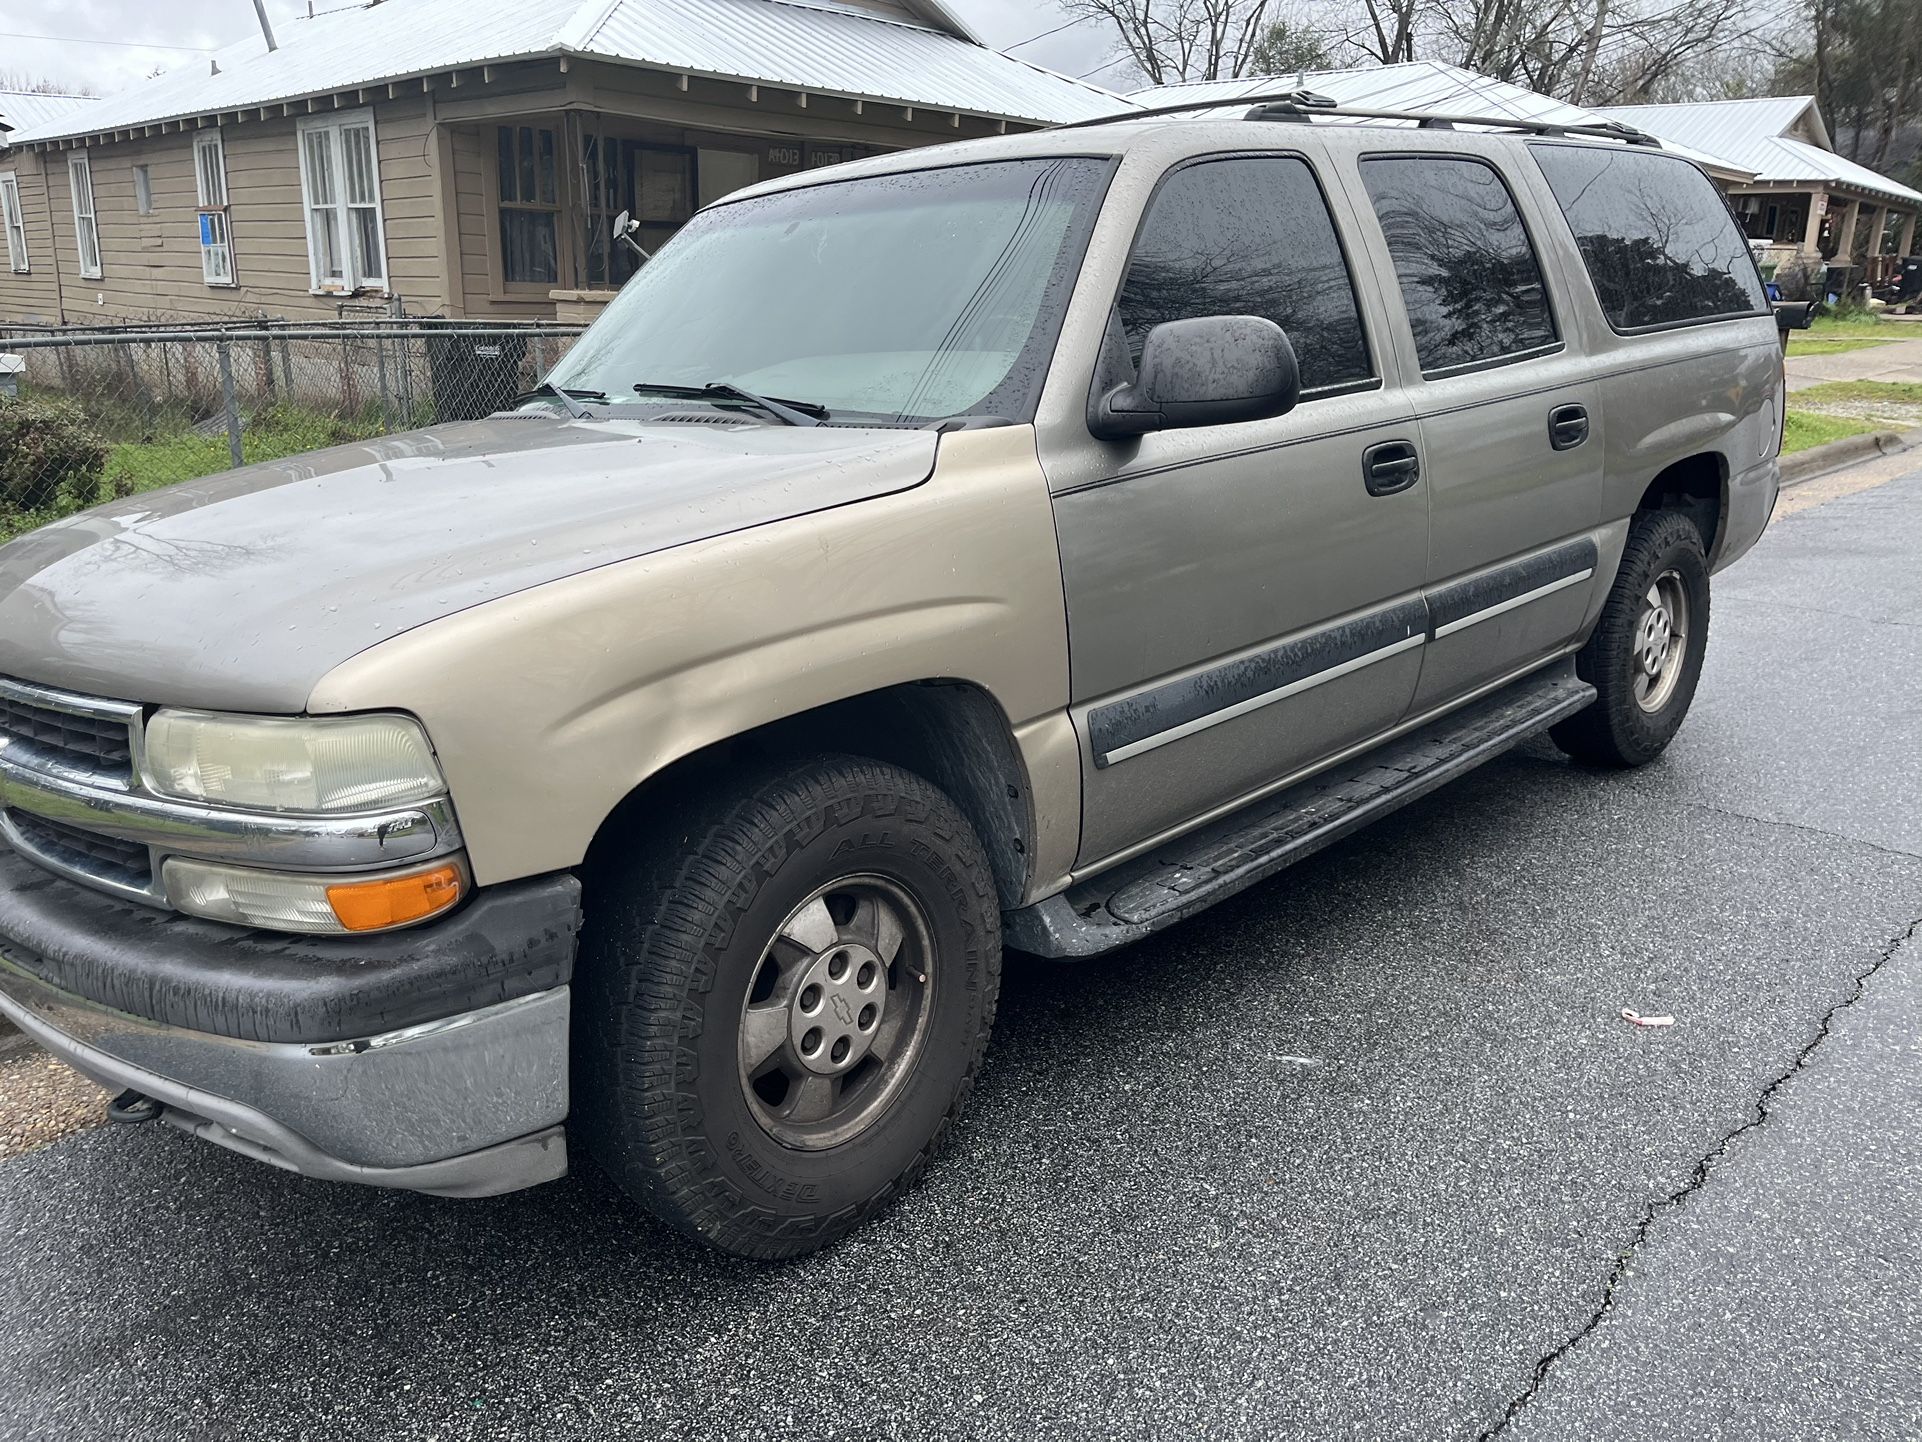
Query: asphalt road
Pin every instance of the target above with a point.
(1366, 1152)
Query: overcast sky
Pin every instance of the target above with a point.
(108, 44)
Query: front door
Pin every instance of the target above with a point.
(1510, 422)
(1243, 600)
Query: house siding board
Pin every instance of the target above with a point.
(32, 298)
(151, 264)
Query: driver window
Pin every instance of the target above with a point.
(1249, 236)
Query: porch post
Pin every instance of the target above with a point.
(1812, 225)
(1907, 247)
(1872, 244)
(1845, 242)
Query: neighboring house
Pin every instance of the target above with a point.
(1423, 87)
(26, 230)
(467, 157)
(1806, 203)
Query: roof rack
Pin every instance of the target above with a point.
(1302, 106)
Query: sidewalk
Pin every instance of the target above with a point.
(1897, 360)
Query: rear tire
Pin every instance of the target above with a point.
(1645, 656)
(782, 1002)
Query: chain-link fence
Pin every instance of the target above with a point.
(89, 413)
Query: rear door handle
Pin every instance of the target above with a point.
(1567, 427)
(1390, 467)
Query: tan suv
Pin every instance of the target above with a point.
(1027, 542)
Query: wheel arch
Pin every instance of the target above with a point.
(1697, 486)
(951, 733)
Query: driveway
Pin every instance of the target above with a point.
(1367, 1151)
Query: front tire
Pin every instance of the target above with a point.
(782, 1003)
(1645, 656)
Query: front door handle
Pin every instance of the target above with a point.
(1390, 467)
(1567, 427)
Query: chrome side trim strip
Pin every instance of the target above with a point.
(1292, 778)
(1255, 703)
(1487, 613)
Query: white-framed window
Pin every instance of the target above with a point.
(15, 220)
(86, 230)
(210, 182)
(340, 186)
(143, 189)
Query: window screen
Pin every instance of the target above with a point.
(1659, 243)
(1248, 236)
(1468, 274)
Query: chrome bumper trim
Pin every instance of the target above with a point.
(468, 1106)
(209, 833)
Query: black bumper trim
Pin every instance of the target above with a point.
(510, 941)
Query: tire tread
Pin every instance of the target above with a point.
(637, 1102)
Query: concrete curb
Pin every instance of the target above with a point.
(1820, 460)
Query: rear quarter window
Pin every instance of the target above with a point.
(1655, 234)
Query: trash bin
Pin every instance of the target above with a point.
(473, 375)
(10, 368)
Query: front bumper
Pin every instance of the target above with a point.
(432, 1060)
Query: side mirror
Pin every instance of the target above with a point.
(1206, 371)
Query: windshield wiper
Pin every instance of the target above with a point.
(789, 413)
(569, 399)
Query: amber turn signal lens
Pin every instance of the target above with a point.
(394, 900)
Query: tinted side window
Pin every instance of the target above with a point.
(1658, 240)
(1468, 273)
(1248, 236)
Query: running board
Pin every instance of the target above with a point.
(1192, 872)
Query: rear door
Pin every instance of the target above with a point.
(1242, 602)
(1509, 416)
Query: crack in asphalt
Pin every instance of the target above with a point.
(1845, 615)
(1898, 852)
(1697, 1178)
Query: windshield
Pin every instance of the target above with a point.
(897, 299)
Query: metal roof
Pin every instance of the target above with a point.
(817, 45)
(1423, 85)
(1754, 133)
(839, 50)
(23, 109)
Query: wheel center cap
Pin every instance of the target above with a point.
(837, 1008)
(1657, 631)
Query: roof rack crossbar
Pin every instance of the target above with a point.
(1295, 106)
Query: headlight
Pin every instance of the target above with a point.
(289, 901)
(258, 763)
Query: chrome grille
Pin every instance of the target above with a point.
(40, 729)
(80, 750)
(105, 858)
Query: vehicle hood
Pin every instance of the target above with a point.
(241, 590)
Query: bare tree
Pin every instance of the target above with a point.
(24, 83)
(1175, 40)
